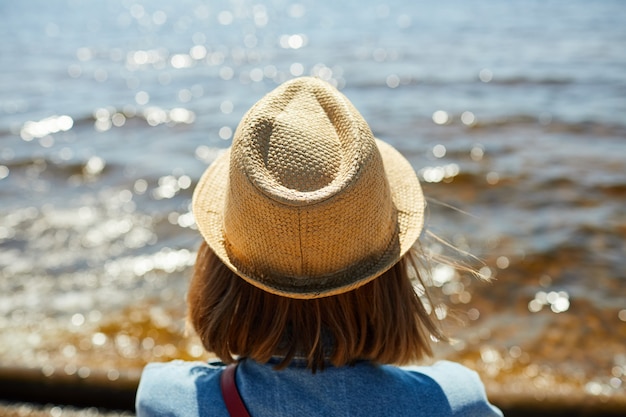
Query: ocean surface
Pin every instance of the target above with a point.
(513, 113)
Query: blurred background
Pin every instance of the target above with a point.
(512, 112)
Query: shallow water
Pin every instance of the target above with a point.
(513, 113)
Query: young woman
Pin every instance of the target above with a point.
(304, 279)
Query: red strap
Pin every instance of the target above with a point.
(230, 393)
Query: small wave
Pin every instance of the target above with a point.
(518, 81)
(551, 125)
(514, 120)
(55, 167)
(613, 190)
(396, 80)
(102, 119)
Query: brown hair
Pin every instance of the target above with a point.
(384, 321)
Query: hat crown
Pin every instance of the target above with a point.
(302, 143)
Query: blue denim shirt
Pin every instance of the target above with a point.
(192, 389)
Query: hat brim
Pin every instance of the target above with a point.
(208, 210)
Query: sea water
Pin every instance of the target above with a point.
(513, 113)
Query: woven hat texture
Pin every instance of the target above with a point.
(306, 203)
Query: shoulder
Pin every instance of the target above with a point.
(174, 389)
(461, 387)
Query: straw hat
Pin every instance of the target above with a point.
(307, 203)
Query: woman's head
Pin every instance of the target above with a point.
(308, 221)
(383, 320)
